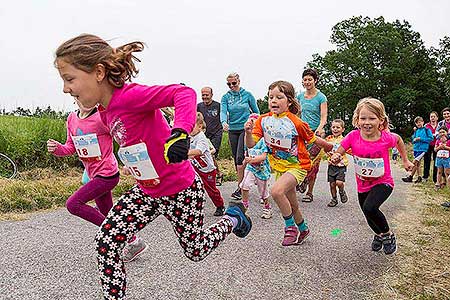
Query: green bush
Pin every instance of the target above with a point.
(225, 150)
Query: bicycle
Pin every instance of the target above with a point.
(8, 168)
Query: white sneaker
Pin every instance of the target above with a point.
(134, 249)
(267, 213)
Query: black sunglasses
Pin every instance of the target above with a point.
(232, 83)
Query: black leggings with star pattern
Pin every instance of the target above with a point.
(135, 210)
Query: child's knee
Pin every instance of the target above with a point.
(73, 206)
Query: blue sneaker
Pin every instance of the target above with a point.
(237, 210)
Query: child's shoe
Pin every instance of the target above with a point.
(446, 204)
(134, 249)
(237, 210)
(291, 235)
(303, 236)
(219, 211)
(267, 213)
(418, 180)
(343, 196)
(389, 243)
(333, 202)
(237, 194)
(377, 243)
(407, 179)
(437, 187)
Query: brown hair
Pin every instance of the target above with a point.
(288, 90)
(339, 121)
(85, 51)
(375, 106)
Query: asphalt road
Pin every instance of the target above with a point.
(51, 256)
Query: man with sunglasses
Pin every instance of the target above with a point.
(235, 108)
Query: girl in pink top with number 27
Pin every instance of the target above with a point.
(95, 74)
(370, 144)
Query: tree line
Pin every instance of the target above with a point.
(38, 112)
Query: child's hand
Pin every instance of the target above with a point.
(247, 159)
(248, 126)
(336, 158)
(408, 165)
(51, 145)
(225, 126)
(126, 171)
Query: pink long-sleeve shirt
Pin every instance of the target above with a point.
(104, 165)
(133, 116)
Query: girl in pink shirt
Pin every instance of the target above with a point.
(90, 139)
(370, 145)
(95, 74)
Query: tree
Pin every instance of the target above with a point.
(263, 104)
(442, 56)
(384, 60)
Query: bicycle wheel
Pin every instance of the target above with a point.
(8, 168)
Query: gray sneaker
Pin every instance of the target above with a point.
(134, 249)
(343, 196)
(389, 243)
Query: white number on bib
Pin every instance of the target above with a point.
(138, 161)
(443, 154)
(369, 167)
(87, 145)
(279, 142)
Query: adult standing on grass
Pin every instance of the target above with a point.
(210, 110)
(314, 111)
(431, 154)
(97, 74)
(235, 109)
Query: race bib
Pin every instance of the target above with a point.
(278, 141)
(87, 146)
(138, 161)
(369, 168)
(443, 154)
(335, 147)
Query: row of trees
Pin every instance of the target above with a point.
(387, 61)
(38, 113)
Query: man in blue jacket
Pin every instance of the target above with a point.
(421, 140)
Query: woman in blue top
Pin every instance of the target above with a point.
(235, 108)
(314, 111)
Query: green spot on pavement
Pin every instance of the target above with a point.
(336, 232)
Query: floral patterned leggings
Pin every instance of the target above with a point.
(135, 210)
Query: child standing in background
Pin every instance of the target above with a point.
(421, 140)
(336, 173)
(257, 171)
(442, 163)
(286, 136)
(202, 160)
(370, 145)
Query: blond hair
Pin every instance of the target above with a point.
(233, 75)
(86, 51)
(376, 107)
(200, 120)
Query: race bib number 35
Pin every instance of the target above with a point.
(138, 161)
(369, 168)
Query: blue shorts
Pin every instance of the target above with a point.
(418, 155)
(442, 162)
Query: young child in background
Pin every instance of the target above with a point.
(394, 154)
(336, 173)
(97, 74)
(421, 140)
(89, 138)
(286, 136)
(202, 160)
(370, 145)
(257, 171)
(442, 148)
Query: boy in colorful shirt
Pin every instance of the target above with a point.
(336, 173)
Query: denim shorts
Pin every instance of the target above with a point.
(442, 162)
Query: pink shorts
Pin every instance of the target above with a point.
(250, 180)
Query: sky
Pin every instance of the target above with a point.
(195, 42)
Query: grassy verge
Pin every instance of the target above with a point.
(421, 268)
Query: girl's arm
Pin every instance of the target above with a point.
(323, 144)
(256, 159)
(248, 127)
(336, 157)
(408, 165)
(253, 106)
(58, 149)
(194, 152)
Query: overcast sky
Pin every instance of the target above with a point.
(195, 42)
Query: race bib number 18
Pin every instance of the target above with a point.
(87, 146)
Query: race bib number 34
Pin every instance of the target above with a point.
(279, 142)
(138, 161)
(369, 168)
(87, 145)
